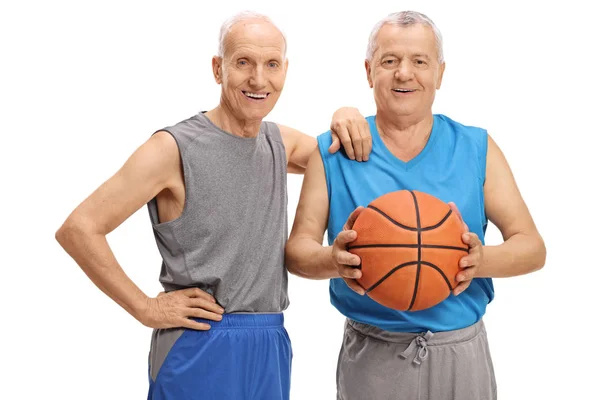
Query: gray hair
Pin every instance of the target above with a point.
(242, 16)
(406, 18)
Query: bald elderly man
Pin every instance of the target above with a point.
(215, 188)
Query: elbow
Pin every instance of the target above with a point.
(290, 263)
(70, 233)
(541, 254)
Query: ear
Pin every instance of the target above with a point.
(442, 69)
(217, 67)
(285, 67)
(368, 69)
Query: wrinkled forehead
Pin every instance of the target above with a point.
(407, 40)
(258, 37)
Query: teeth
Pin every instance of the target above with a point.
(403, 90)
(256, 95)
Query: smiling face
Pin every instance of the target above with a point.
(404, 71)
(252, 70)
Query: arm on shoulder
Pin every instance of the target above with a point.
(298, 148)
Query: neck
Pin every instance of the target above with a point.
(405, 137)
(223, 117)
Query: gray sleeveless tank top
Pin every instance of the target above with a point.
(229, 240)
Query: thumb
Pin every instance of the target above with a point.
(346, 237)
(335, 144)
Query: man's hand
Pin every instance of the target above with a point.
(471, 262)
(174, 309)
(349, 127)
(346, 262)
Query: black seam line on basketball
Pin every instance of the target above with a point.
(408, 228)
(429, 228)
(440, 271)
(396, 268)
(414, 297)
(408, 246)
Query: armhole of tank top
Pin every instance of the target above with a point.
(176, 221)
(483, 171)
(273, 132)
(483, 158)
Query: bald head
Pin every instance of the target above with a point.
(253, 26)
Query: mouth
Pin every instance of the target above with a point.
(401, 90)
(255, 96)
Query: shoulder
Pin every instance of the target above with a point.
(471, 134)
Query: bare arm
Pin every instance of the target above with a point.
(153, 167)
(348, 127)
(298, 147)
(305, 255)
(523, 250)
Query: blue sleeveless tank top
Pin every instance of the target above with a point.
(450, 167)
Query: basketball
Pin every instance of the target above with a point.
(410, 245)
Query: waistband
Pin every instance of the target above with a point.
(433, 339)
(418, 343)
(248, 321)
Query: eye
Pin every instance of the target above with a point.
(389, 62)
(273, 64)
(242, 62)
(420, 62)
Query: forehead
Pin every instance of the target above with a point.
(256, 37)
(417, 38)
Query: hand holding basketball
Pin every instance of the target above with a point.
(471, 262)
(345, 262)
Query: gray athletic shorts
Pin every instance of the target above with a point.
(379, 365)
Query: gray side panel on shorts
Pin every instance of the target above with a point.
(162, 342)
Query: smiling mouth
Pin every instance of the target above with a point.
(255, 96)
(404, 90)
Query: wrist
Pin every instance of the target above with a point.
(141, 307)
(482, 270)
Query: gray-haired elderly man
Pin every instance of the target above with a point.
(440, 353)
(215, 187)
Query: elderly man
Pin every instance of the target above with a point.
(441, 352)
(215, 187)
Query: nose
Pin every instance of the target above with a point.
(404, 72)
(257, 79)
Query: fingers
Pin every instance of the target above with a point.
(200, 313)
(352, 284)
(335, 143)
(344, 137)
(461, 287)
(205, 304)
(471, 239)
(343, 238)
(352, 218)
(344, 258)
(365, 134)
(195, 292)
(191, 324)
(357, 142)
(465, 275)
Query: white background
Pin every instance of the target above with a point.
(83, 84)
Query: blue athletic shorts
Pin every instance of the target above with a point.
(242, 357)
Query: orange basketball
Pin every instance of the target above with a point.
(410, 245)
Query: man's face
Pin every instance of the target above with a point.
(252, 71)
(404, 71)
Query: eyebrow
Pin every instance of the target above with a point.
(391, 54)
(421, 55)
